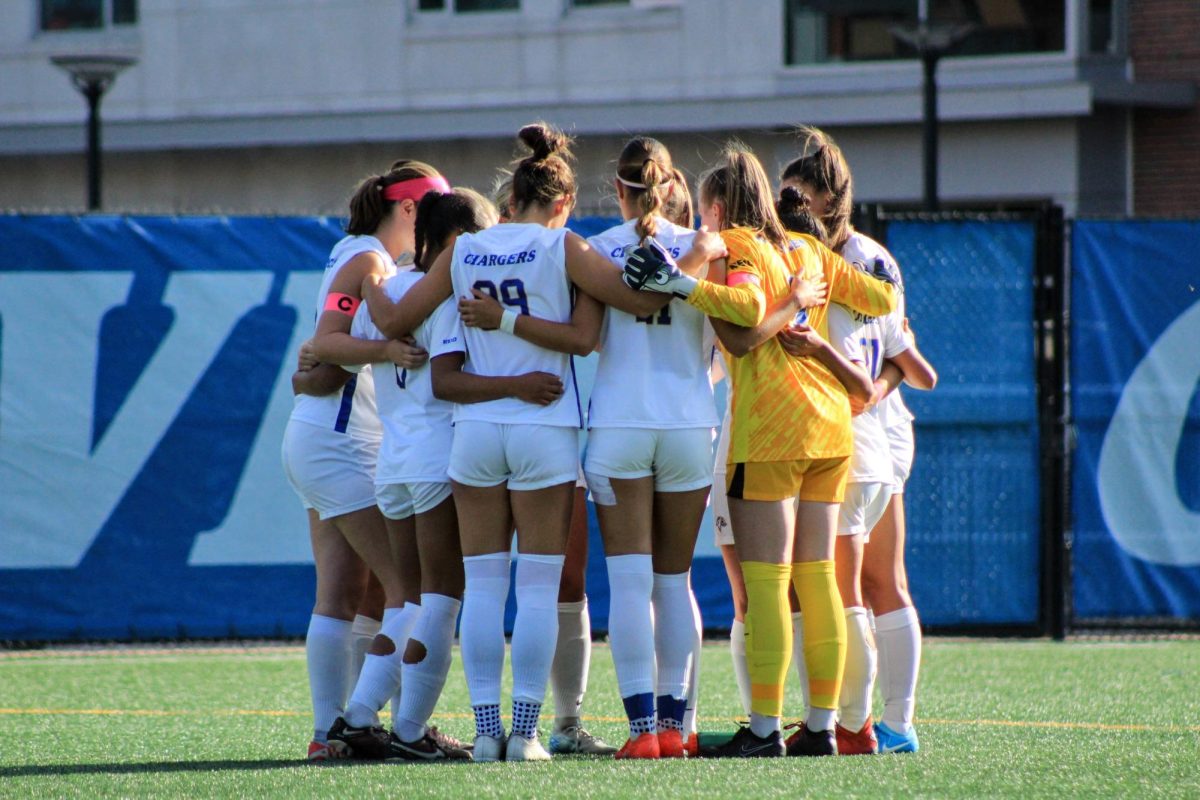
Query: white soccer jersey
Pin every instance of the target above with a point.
(523, 266)
(867, 340)
(862, 251)
(352, 410)
(652, 371)
(417, 427)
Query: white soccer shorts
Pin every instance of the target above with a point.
(862, 507)
(902, 446)
(332, 472)
(528, 457)
(679, 459)
(402, 500)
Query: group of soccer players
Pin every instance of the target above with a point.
(437, 412)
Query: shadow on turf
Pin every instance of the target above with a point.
(157, 766)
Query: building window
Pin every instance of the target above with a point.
(820, 31)
(590, 3)
(62, 15)
(468, 6)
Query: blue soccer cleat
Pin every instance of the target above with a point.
(892, 742)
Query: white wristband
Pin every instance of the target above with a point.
(508, 320)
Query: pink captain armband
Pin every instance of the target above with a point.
(341, 303)
(738, 278)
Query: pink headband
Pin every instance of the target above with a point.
(415, 189)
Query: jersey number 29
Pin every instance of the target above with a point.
(510, 293)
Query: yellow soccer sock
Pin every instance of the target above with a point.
(768, 634)
(824, 630)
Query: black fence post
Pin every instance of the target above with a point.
(1052, 321)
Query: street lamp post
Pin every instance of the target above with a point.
(931, 41)
(92, 75)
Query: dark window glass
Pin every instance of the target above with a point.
(1100, 27)
(61, 15)
(124, 12)
(486, 5)
(431, 5)
(819, 31)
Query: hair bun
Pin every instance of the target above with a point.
(544, 140)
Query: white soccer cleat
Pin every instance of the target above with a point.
(522, 749)
(488, 748)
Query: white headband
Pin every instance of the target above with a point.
(635, 185)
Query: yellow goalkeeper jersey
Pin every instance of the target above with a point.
(785, 408)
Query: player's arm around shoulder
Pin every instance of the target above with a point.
(578, 336)
(400, 318)
(591, 271)
(871, 294)
(741, 300)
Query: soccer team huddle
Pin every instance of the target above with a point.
(437, 414)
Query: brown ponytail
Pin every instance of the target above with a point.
(824, 168)
(440, 216)
(796, 215)
(644, 168)
(367, 206)
(677, 206)
(545, 175)
(741, 185)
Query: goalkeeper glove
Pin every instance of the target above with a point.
(650, 268)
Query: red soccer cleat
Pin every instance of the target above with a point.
(325, 751)
(862, 743)
(644, 746)
(670, 744)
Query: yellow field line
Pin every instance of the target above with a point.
(238, 712)
(21, 655)
(1094, 726)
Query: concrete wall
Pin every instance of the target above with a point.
(1013, 160)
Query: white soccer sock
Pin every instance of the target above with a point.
(327, 653)
(763, 726)
(674, 630)
(363, 633)
(481, 631)
(898, 637)
(631, 622)
(693, 705)
(798, 657)
(741, 668)
(858, 678)
(535, 630)
(572, 658)
(423, 680)
(410, 612)
(379, 680)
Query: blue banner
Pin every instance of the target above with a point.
(144, 389)
(1135, 362)
(972, 500)
(145, 370)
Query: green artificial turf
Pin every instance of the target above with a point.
(996, 718)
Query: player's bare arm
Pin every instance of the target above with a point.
(452, 384)
(401, 318)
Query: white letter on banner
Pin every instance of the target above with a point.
(57, 493)
(266, 523)
(1136, 473)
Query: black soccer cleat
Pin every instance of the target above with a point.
(368, 744)
(812, 743)
(423, 749)
(745, 744)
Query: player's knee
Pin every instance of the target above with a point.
(414, 652)
(382, 645)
